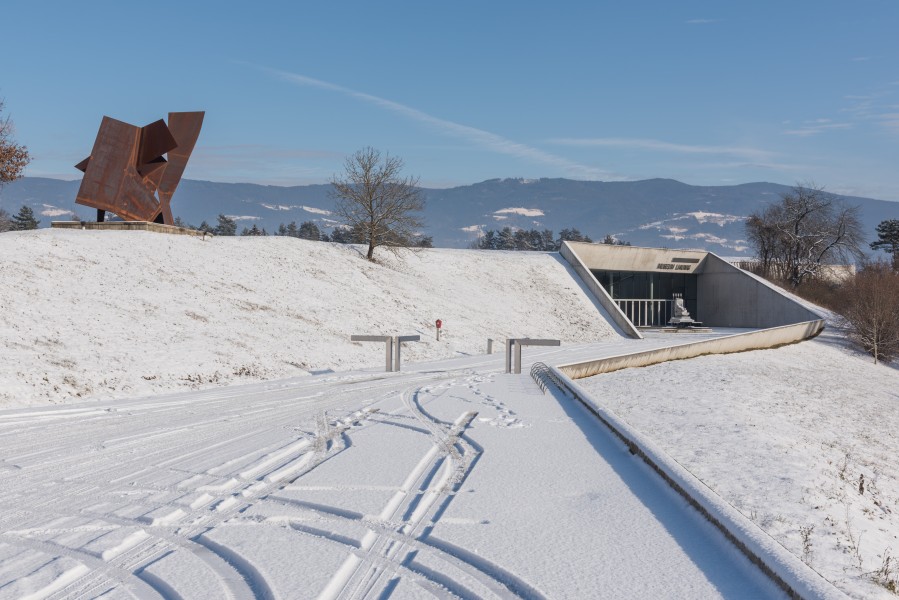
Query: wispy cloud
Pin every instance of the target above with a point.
(702, 21)
(862, 58)
(479, 137)
(817, 126)
(890, 121)
(269, 152)
(662, 146)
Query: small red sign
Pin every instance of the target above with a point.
(439, 323)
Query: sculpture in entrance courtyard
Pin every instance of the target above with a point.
(681, 316)
(127, 173)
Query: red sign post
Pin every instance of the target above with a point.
(439, 325)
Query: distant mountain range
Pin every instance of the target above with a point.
(654, 212)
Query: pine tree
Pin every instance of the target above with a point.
(572, 235)
(225, 226)
(309, 231)
(5, 221)
(888, 240)
(341, 236)
(24, 219)
(506, 239)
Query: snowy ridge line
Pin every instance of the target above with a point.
(762, 339)
(785, 569)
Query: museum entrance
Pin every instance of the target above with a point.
(646, 297)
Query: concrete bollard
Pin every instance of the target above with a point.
(388, 356)
(517, 343)
(398, 341)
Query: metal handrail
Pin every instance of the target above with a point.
(646, 312)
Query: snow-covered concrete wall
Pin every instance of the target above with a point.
(796, 578)
(740, 342)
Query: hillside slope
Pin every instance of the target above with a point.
(115, 314)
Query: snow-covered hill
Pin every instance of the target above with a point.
(800, 439)
(116, 314)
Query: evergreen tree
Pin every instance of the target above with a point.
(205, 228)
(423, 241)
(282, 230)
(5, 221)
(341, 235)
(253, 231)
(506, 239)
(488, 240)
(226, 226)
(888, 240)
(24, 219)
(309, 231)
(292, 230)
(521, 239)
(611, 241)
(572, 235)
(549, 242)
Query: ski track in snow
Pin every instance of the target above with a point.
(220, 492)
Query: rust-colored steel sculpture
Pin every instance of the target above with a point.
(127, 173)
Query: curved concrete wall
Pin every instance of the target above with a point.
(796, 578)
(739, 342)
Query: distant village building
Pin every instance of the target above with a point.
(831, 273)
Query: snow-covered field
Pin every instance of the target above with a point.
(804, 440)
(263, 462)
(118, 314)
(449, 480)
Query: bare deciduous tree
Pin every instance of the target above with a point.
(13, 157)
(379, 204)
(870, 304)
(808, 229)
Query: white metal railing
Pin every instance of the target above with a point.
(644, 312)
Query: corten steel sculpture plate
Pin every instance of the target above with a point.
(127, 173)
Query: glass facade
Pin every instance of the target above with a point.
(638, 285)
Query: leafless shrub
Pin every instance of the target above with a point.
(805, 533)
(13, 157)
(886, 575)
(870, 304)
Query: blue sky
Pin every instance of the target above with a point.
(708, 93)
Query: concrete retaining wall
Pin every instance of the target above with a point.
(730, 297)
(796, 578)
(739, 342)
(128, 226)
(599, 292)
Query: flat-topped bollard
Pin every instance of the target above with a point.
(517, 343)
(397, 342)
(379, 338)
